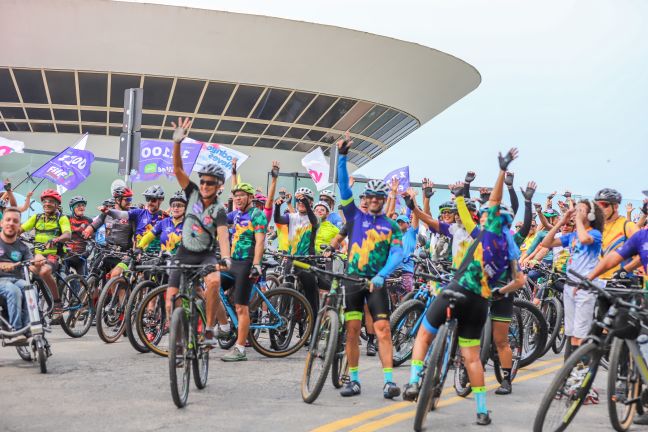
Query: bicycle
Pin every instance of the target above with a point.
(40, 347)
(618, 326)
(327, 342)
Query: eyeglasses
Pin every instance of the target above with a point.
(49, 201)
(603, 204)
(208, 182)
(178, 205)
(151, 199)
(128, 200)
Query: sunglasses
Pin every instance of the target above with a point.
(208, 183)
(49, 201)
(178, 205)
(128, 200)
(603, 204)
(149, 199)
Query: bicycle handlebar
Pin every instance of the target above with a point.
(309, 267)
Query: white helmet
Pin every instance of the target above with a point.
(323, 204)
(306, 192)
(328, 194)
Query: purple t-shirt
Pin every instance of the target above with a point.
(637, 244)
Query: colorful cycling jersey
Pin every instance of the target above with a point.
(560, 256)
(244, 227)
(295, 232)
(637, 244)
(170, 234)
(370, 239)
(490, 263)
(536, 242)
(614, 236)
(526, 243)
(78, 244)
(119, 230)
(144, 222)
(460, 238)
(46, 228)
(335, 219)
(583, 258)
(325, 233)
(409, 245)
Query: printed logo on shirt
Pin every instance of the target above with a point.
(1, 251)
(15, 255)
(207, 220)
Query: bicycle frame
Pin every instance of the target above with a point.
(231, 312)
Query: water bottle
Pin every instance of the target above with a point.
(642, 341)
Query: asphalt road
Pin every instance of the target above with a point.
(92, 386)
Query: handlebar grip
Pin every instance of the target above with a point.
(301, 265)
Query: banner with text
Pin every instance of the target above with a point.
(10, 146)
(317, 167)
(156, 158)
(219, 155)
(68, 168)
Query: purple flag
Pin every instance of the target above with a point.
(402, 174)
(68, 168)
(156, 158)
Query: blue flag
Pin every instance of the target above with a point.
(68, 168)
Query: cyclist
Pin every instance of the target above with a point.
(409, 229)
(375, 250)
(326, 231)
(12, 284)
(298, 238)
(52, 230)
(169, 230)
(248, 240)
(440, 243)
(328, 197)
(205, 226)
(585, 247)
(489, 261)
(617, 228)
(100, 235)
(78, 244)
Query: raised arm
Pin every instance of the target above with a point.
(27, 202)
(508, 181)
(504, 161)
(428, 192)
(343, 174)
(274, 175)
(528, 208)
(410, 202)
(550, 240)
(279, 218)
(393, 196)
(234, 177)
(458, 189)
(179, 135)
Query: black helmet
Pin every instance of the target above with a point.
(178, 196)
(77, 200)
(471, 206)
(448, 205)
(109, 202)
(155, 192)
(608, 195)
(212, 170)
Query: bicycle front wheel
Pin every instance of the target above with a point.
(134, 300)
(340, 368)
(320, 355)
(151, 322)
(403, 324)
(624, 385)
(535, 331)
(569, 390)
(284, 327)
(200, 359)
(77, 308)
(111, 308)
(553, 314)
(179, 361)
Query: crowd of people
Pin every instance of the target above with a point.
(491, 255)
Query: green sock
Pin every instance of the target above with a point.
(354, 373)
(415, 370)
(387, 374)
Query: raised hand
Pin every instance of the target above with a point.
(510, 156)
(529, 191)
(567, 194)
(508, 179)
(629, 208)
(274, 172)
(180, 132)
(428, 188)
(456, 189)
(538, 207)
(484, 194)
(470, 176)
(552, 195)
(393, 184)
(345, 144)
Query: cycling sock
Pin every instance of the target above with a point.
(240, 347)
(387, 374)
(353, 371)
(480, 399)
(415, 370)
(506, 374)
(370, 338)
(225, 327)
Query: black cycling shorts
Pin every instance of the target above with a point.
(357, 295)
(190, 258)
(240, 271)
(471, 314)
(502, 309)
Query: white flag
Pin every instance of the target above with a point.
(80, 145)
(8, 146)
(219, 155)
(317, 167)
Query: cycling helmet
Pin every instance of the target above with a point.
(507, 212)
(178, 196)
(448, 205)
(244, 187)
(328, 194)
(154, 191)
(377, 188)
(323, 204)
(550, 213)
(471, 206)
(608, 195)
(109, 202)
(212, 170)
(51, 193)
(306, 192)
(260, 198)
(122, 192)
(77, 200)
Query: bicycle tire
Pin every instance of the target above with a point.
(23, 352)
(402, 332)
(535, 333)
(619, 358)
(461, 380)
(328, 326)
(561, 339)
(552, 311)
(590, 349)
(340, 368)
(272, 281)
(486, 342)
(293, 301)
(178, 340)
(152, 335)
(435, 374)
(72, 313)
(115, 321)
(41, 354)
(516, 337)
(200, 358)
(134, 300)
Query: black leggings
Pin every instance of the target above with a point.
(471, 315)
(311, 289)
(77, 263)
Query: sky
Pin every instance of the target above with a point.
(564, 81)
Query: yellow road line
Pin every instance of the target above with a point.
(359, 418)
(397, 418)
